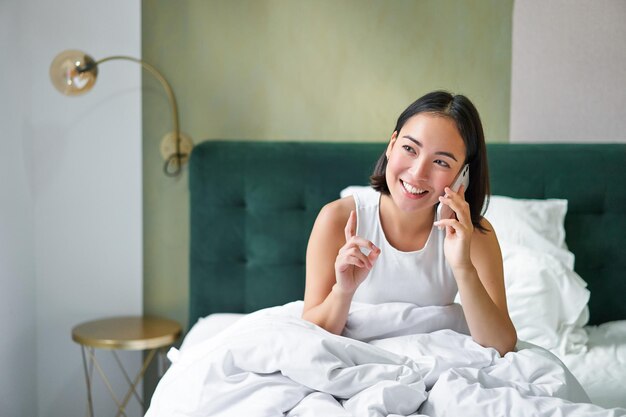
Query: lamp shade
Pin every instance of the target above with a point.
(73, 72)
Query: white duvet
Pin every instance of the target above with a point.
(272, 363)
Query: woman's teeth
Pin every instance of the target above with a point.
(412, 189)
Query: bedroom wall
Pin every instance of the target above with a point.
(323, 70)
(568, 74)
(70, 216)
(18, 379)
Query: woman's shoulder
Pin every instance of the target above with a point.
(337, 212)
(329, 228)
(485, 241)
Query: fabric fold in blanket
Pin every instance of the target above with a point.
(272, 363)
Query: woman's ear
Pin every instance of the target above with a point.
(392, 141)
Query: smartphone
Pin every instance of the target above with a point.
(445, 212)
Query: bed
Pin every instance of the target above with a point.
(559, 212)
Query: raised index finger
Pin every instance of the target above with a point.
(350, 229)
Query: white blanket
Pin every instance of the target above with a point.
(272, 363)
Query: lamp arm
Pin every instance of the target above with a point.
(172, 99)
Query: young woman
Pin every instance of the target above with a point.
(386, 246)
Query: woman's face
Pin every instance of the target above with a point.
(422, 159)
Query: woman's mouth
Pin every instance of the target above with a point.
(413, 191)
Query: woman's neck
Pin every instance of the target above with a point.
(405, 231)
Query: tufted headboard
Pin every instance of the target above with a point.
(253, 205)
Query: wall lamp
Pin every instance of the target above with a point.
(74, 73)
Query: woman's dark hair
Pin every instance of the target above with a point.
(460, 109)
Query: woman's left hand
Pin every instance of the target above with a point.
(459, 230)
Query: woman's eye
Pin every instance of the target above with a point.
(442, 163)
(408, 148)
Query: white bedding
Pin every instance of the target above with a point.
(602, 368)
(271, 363)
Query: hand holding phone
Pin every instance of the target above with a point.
(444, 211)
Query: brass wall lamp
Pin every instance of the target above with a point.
(74, 73)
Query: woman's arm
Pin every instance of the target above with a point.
(335, 266)
(476, 262)
(483, 294)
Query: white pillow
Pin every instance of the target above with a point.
(537, 224)
(352, 189)
(209, 326)
(547, 301)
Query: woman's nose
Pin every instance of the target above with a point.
(419, 169)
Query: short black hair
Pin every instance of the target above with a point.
(461, 110)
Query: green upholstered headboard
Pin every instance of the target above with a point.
(253, 205)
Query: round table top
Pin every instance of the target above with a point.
(129, 332)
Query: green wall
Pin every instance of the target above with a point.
(326, 70)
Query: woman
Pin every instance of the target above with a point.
(386, 246)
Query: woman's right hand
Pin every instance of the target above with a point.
(352, 265)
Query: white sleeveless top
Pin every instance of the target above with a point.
(421, 277)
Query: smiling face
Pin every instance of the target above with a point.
(423, 158)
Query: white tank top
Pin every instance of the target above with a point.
(421, 277)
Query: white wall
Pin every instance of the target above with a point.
(17, 269)
(71, 213)
(568, 71)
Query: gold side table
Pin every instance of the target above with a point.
(151, 334)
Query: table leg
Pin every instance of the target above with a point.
(128, 381)
(89, 368)
(88, 378)
(120, 407)
(139, 376)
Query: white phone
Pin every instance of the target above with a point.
(444, 211)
